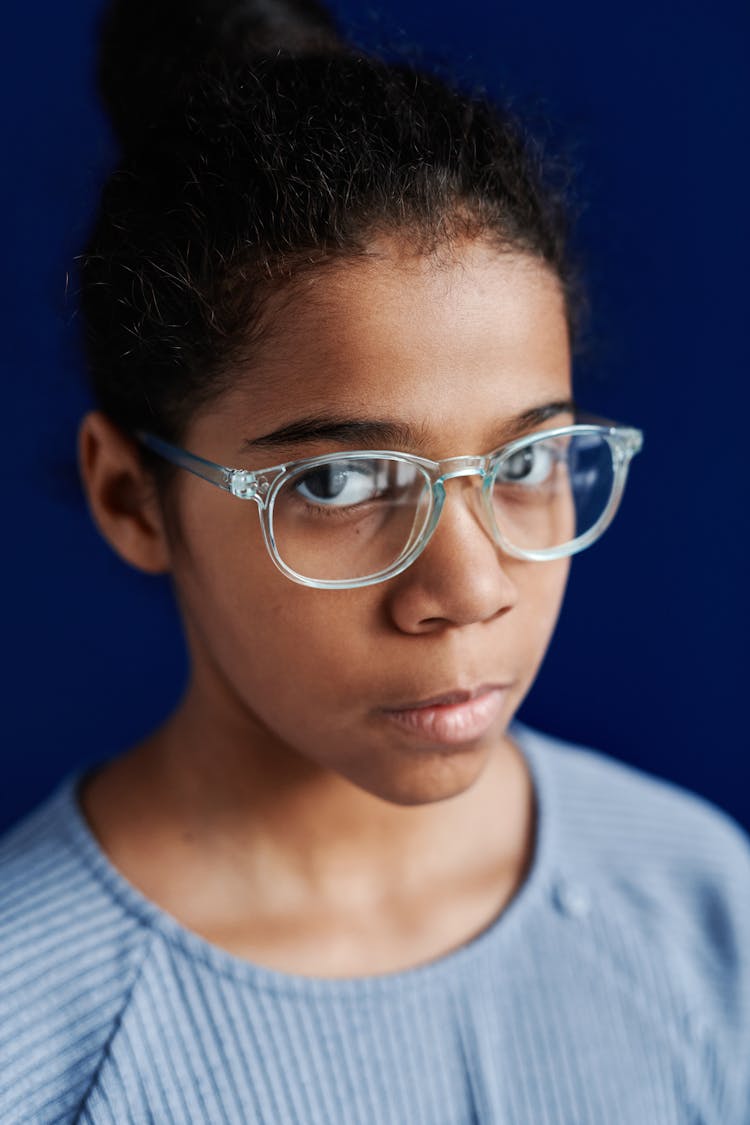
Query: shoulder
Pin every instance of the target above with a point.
(667, 873)
(611, 798)
(619, 819)
(69, 955)
(650, 839)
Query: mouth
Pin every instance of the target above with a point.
(448, 698)
(452, 717)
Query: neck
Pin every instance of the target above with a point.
(223, 803)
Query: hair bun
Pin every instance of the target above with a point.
(151, 51)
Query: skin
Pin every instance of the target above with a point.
(294, 824)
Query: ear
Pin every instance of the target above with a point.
(121, 495)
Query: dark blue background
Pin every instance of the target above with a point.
(650, 659)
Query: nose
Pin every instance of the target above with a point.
(460, 578)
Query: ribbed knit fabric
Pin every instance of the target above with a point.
(613, 990)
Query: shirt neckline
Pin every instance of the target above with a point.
(494, 937)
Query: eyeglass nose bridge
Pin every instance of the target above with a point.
(450, 468)
(461, 467)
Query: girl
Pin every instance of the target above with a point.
(329, 318)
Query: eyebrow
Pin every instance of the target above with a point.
(382, 433)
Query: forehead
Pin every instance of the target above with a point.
(443, 344)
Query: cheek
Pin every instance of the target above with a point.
(547, 583)
(273, 639)
(542, 590)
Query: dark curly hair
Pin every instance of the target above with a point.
(257, 146)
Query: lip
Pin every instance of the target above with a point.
(447, 698)
(452, 717)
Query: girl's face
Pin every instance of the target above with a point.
(454, 352)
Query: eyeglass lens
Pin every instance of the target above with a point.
(350, 519)
(551, 492)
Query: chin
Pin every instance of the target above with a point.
(434, 776)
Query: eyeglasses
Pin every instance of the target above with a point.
(352, 519)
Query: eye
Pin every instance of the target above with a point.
(341, 483)
(531, 465)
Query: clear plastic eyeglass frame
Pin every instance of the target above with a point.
(262, 486)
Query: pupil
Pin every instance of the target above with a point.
(519, 464)
(326, 483)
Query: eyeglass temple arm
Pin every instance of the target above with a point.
(208, 470)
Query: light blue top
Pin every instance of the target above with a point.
(613, 990)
